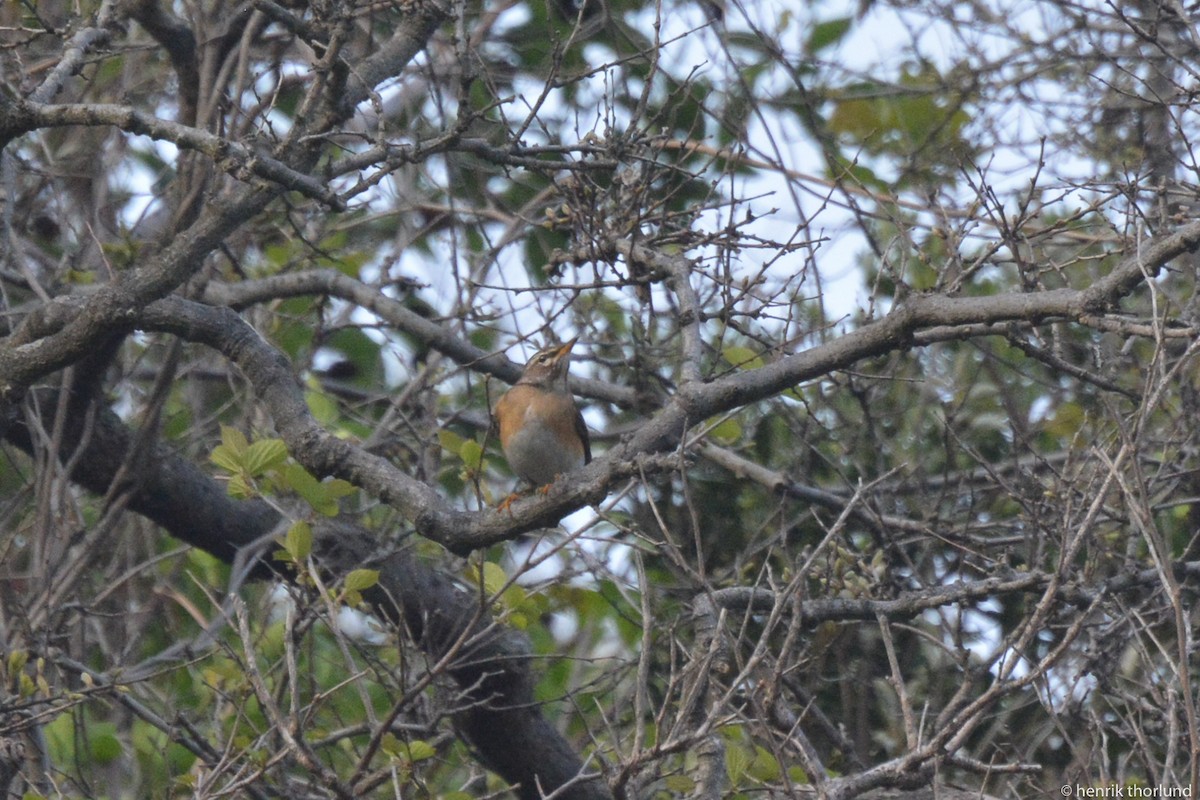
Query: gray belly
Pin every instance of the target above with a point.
(537, 456)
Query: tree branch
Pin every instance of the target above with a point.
(235, 157)
(461, 532)
(82, 43)
(66, 329)
(332, 283)
(502, 721)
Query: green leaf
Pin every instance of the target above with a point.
(360, 579)
(765, 767)
(103, 744)
(234, 439)
(727, 431)
(239, 487)
(1067, 420)
(419, 750)
(679, 784)
(737, 760)
(493, 577)
(263, 455)
(450, 441)
(856, 117)
(390, 745)
(178, 423)
(179, 758)
(298, 541)
(321, 496)
(826, 34)
(471, 453)
(323, 407)
(226, 458)
(742, 357)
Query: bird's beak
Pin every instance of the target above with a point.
(566, 348)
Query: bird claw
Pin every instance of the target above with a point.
(506, 503)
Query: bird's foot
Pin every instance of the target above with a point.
(506, 503)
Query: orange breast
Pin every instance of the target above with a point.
(538, 433)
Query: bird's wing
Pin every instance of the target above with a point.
(582, 429)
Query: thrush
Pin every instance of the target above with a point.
(542, 431)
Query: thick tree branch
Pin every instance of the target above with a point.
(696, 402)
(180, 43)
(462, 532)
(280, 393)
(65, 330)
(422, 18)
(502, 720)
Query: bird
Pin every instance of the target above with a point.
(542, 432)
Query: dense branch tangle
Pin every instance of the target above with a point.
(831, 553)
